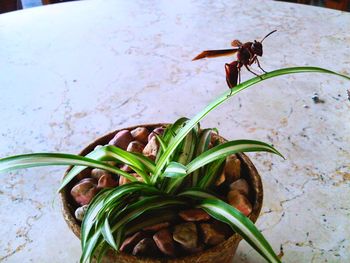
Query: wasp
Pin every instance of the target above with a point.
(247, 54)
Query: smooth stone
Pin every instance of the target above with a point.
(240, 202)
(84, 191)
(193, 215)
(135, 146)
(140, 134)
(146, 247)
(122, 139)
(212, 234)
(151, 149)
(186, 234)
(165, 242)
(80, 212)
(241, 185)
(131, 241)
(107, 181)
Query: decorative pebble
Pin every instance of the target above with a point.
(193, 215)
(84, 191)
(107, 181)
(232, 168)
(186, 234)
(122, 139)
(135, 146)
(131, 241)
(241, 186)
(80, 212)
(151, 149)
(146, 247)
(157, 131)
(157, 227)
(212, 234)
(140, 134)
(240, 202)
(96, 173)
(164, 241)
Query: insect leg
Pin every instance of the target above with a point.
(252, 71)
(257, 61)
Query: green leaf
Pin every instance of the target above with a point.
(106, 199)
(186, 154)
(225, 149)
(240, 224)
(46, 159)
(197, 193)
(175, 170)
(112, 153)
(107, 234)
(214, 169)
(202, 146)
(225, 96)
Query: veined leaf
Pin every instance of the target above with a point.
(112, 153)
(197, 193)
(185, 156)
(175, 170)
(212, 172)
(105, 199)
(225, 149)
(161, 142)
(46, 159)
(225, 96)
(202, 146)
(240, 224)
(107, 234)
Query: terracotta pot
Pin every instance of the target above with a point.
(222, 252)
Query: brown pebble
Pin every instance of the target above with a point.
(122, 139)
(140, 134)
(192, 215)
(151, 149)
(96, 173)
(84, 191)
(241, 186)
(232, 168)
(157, 227)
(130, 242)
(107, 181)
(212, 235)
(186, 234)
(240, 202)
(135, 146)
(221, 179)
(157, 131)
(164, 241)
(146, 247)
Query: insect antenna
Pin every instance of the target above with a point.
(268, 35)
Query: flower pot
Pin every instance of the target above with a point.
(222, 252)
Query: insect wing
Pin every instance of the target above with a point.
(216, 53)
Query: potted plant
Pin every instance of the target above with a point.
(174, 202)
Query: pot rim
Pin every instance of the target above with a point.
(74, 225)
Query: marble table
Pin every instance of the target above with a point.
(72, 72)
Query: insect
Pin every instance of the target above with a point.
(247, 54)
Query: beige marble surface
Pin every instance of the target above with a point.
(71, 72)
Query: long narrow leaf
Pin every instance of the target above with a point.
(46, 159)
(202, 146)
(214, 169)
(175, 170)
(240, 224)
(228, 148)
(225, 96)
(107, 234)
(103, 201)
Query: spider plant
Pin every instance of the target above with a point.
(181, 176)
